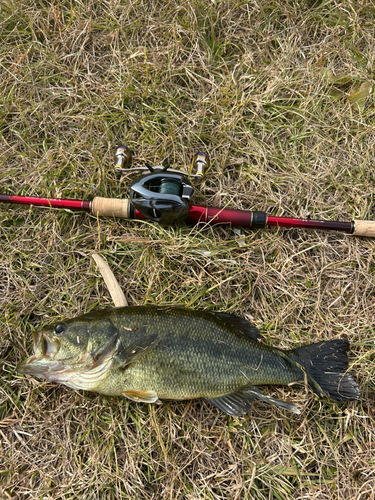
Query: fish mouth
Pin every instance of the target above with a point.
(42, 361)
(81, 372)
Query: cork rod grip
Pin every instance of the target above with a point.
(364, 228)
(109, 207)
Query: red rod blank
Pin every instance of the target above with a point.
(46, 202)
(346, 227)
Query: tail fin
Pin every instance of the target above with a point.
(326, 365)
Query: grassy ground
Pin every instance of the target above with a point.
(279, 93)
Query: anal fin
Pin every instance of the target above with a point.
(239, 402)
(285, 405)
(235, 404)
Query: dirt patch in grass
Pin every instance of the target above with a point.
(275, 92)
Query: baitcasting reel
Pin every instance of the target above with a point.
(164, 194)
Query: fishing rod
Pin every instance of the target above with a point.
(164, 195)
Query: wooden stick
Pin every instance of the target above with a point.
(113, 286)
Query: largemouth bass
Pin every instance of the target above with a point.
(151, 353)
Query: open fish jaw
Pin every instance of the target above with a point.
(84, 374)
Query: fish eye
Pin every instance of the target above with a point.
(60, 328)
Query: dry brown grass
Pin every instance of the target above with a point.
(266, 88)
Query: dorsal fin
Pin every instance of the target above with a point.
(241, 326)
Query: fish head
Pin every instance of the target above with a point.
(63, 344)
(75, 352)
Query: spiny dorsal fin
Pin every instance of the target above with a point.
(241, 326)
(239, 402)
(143, 344)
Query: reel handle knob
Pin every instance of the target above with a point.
(123, 157)
(201, 162)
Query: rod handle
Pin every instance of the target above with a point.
(110, 207)
(364, 228)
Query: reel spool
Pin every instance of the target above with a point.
(162, 196)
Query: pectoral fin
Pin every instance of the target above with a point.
(142, 396)
(142, 345)
(239, 402)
